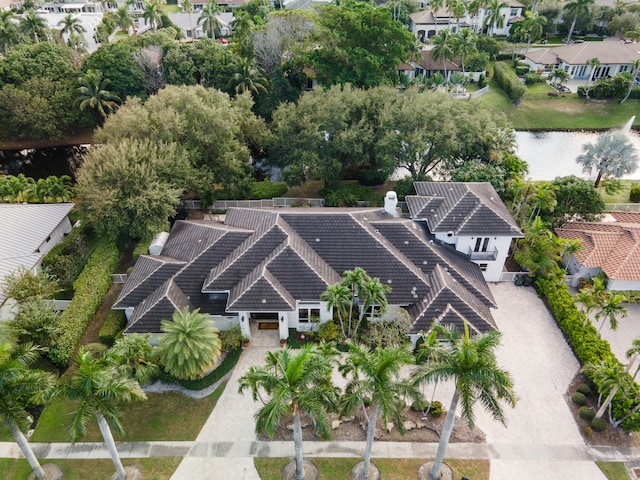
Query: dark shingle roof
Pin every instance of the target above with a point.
(160, 305)
(466, 209)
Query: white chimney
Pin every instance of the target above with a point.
(158, 243)
(391, 204)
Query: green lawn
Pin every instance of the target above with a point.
(559, 113)
(170, 8)
(151, 468)
(390, 468)
(619, 197)
(613, 470)
(164, 416)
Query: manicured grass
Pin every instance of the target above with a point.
(559, 113)
(170, 8)
(390, 468)
(621, 196)
(164, 416)
(151, 468)
(540, 87)
(613, 470)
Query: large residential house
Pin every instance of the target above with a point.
(615, 57)
(612, 247)
(28, 233)
(426, 23)
(272, 265)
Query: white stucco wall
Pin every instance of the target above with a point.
(623, 285)
(56, 236)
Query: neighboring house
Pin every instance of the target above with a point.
(426, 23)
(425, 66)
(28, 233)
(200, 4)
(272, 265)
(188, 23)
(470, 217)
(609, 247)
(615, 57)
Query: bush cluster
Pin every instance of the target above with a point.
(91, 288)
(630, 296)
(634, 193)
(587, 344)
(509, 82)
(531, 78)
(522, 70)
(231, 338)
(614, 87)
(598, 424)
(112, 326)
(348, 195)
(220, 371)
(584, 389)
(579, 398)
(586, 413)
(267, 189)
(66, 260)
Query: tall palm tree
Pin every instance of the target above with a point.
(71, 26)
(374, 293)
(575, 8)
(611, 308)
(354, 280)
(135, 357)
(248, 78)
(374, 374)
(494, 19)
(33, 25)
(543, 199)
(93, 93)
(465, 45)
(187, 6)
(126, 20)
(152, 14)
(208, 18)
(634, 77)
(612, 154)
(594, 63)
(471, 363)
(9, 34)
(22, 386)
(540, 250)
(100, 389)
(443, 48)
(51, 190)
(632, 354)
(294, 384)
(531, 27)
(610, 377)
(190, 344)
(435, 6)
(338, 297)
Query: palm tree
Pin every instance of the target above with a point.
(152, 14)
(126, 20)
(135, 357)
(443, 48)
(594, 63)
(354, 280)
(71, 26)
(187, 6)
(22, 386)
(611, 308)
(93, 93)
(611, 155)
(294, 384)
(543, 199)
(338, 297)
(208, 18)
(248, 77)
(465, 45)
(9, 34)
(575, 8)
(589, 298)
(632, 354)
(436, 5)
(472, 364)
(375, 375)
(190, 345)
(559, 75)
(51, 190)
(374, 293)
(634, 76)
(609, 376)
(495, 19)
(539, 251)
(100, 389)
(531, 27)
(33, 25)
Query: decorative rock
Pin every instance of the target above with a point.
(377, 433)
(409, 425)
(389, 426)
(335, 424)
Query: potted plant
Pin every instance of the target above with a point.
(245, 342)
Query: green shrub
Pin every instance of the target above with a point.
(220, 371)
(91, 288)
(588, 431)
(231, 338)
(420, 405)
(598, 424)
(267, 189)
(509, 82)
(630, 296)
(482, 81)
(113, 325)
(329, 331)
(579, 398)
(436, 408)
(531, 78)
(522, 70)
(634, 193)
(586, 413)
(142, 248)
(66, 260)
(348, 195)
(584, 389)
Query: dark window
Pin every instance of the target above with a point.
(483, 267)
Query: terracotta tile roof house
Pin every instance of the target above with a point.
(609, 247)
(615, 57)
(272, 265)
(28, 232)
(469, 216)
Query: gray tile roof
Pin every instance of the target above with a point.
(264, 260)
(466, 209)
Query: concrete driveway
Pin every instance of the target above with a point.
(628, 329)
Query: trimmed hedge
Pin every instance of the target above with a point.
(634, 193)
(91, 288)
(112, 326)
(630, 296)
(586, 413)
(509, 82)
(267, 189)
(587, 344)
(579, 398)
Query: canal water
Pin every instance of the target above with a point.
(42, 162)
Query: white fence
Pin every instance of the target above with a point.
(268, 203)
(119, 277)
(622, 207)
(508, 276)
(477, 93)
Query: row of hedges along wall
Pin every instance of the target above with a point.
(90, 289)
(587, 344)
(509, 82)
